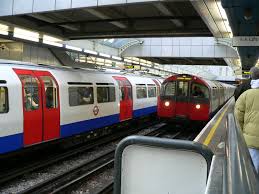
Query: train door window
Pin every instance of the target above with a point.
(30, 92)
(182, 89)
(50, 92)
(80, 96)
(129, 89)
(3, 100)
(151, 91)
(105, 94)
(169, 88)
(199, 91)
(141, 91)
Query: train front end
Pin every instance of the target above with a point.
(184, 98)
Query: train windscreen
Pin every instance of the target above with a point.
(199, 91)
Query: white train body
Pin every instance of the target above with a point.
(39, 104)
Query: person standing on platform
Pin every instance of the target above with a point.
(243, 87)
(247, 115)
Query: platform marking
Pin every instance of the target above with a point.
(213, 129)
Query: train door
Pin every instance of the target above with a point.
(32, 107)
(158, 87)
(182, 98)
(50, 108)
(40, 106)
(126, 102)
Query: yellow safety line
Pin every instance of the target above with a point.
(213, 129)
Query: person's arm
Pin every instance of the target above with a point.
(240, 108)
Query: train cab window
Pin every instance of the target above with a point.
(50, 92)
(105, 94)
(199, 91)
(30, 92)
(182, 89)
(3, 100)
(80, 96)
(151, 91)
(141, 91)
(169, 89)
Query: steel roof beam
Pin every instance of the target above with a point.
(165, 11)
(103, 16)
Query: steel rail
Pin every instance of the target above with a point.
(12, 174)
(67, 180)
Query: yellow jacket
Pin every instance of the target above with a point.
(247, 115)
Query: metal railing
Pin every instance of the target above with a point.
(240, 175)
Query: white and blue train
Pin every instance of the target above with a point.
(44, 103)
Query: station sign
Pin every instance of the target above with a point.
(245, 41)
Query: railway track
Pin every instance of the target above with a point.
(67, 181)
(12, 174)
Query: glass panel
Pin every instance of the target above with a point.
(151, 92)
(129, 88)
(105, 94)
(141, 91)
(50, 92)
(199, 91)
(3, 100)
(182, 89)
(169, 89)
(122, 93)
(80, 96)
(31, 92)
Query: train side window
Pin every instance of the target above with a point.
(169, 89)
(151, 91)
(105, 94)
(141, 91)
(80, 96)
(182, 89)
(30, 92)
(50, 92)
(4, 100)
(199, 91)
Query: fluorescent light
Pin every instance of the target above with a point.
(51, 38)
(90, 52)
(26, 34)
(117, 58)
(104, 55)
(73, 48)
(127, 60)
(52, 43)
(135, 62)
(4, 29)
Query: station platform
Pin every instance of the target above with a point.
(214, 133)
(217, 161)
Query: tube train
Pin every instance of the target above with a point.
(190, 98)
(42, 103)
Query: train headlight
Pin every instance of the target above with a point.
(167, 103)
(198, 106)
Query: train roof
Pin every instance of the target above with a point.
(72, 69)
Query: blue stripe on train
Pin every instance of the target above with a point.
(14, 142)
(11, 143)
(88, 125)
(144, 111)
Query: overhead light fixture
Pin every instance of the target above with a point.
(117, 58)
(4, 29)
(104, 55)
(90, 52)
(73, 48)
(50, 40)
(26, 34)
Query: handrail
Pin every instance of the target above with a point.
(241, 176)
